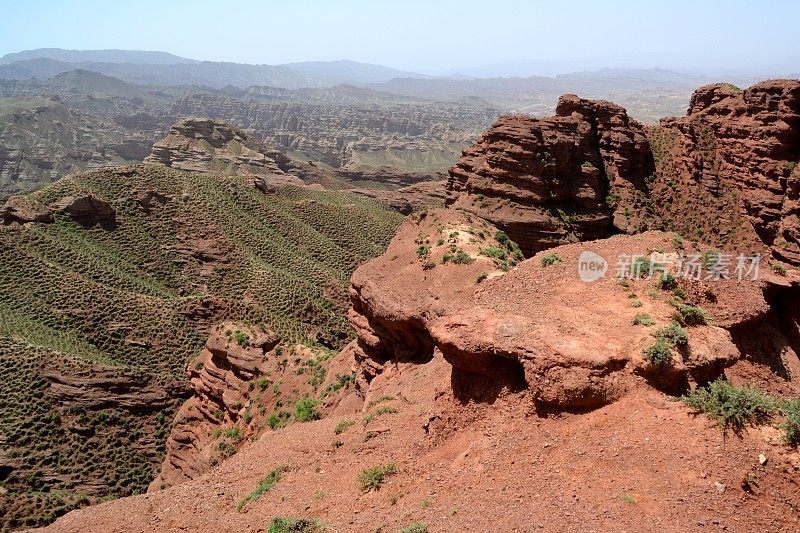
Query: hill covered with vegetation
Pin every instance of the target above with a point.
(98, 319)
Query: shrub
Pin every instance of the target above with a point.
(416, 527)
(304, 410)
(674, 334)
(791, 428)
(295, 525)
(642, 267)
(342, 426)
(778, 268)
(278, 420)
(494, 252)
(689, 315)
(636, 302)
(372, 478)
(481, 277)
(266, 484)
(660, 353)
(732, 406)
(461, 258)
(241, 338)
(423, 250)
(551, 259)
(667, 281)
(643, 319)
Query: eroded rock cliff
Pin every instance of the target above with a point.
(728, 169)
(582, 174)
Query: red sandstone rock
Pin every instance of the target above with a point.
(727, 171)
(579, 175)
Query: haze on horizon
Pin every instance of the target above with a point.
(500, 38)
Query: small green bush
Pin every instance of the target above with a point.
(304, 410)
(278, 420)
(423, 250)
(791, 428)
(674, 334)
(295, 525)
(416, 527)
(733, 407)
(642, 267)
(495, 252)
(690, 315)
(241, 338)
(481, 277)
(643, 319)
(667, 281)
(550, 259)
(660, 353)
(372, 478)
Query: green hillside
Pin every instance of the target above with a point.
(137, 297)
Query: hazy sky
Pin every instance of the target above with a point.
(429, 36)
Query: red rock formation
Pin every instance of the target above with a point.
(22, 210)
(205, 145)
(571, 344)
(241, 378)
(575, 176)
(727, 171)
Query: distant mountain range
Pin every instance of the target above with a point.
(161, 68)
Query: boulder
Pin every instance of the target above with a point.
(22, 209)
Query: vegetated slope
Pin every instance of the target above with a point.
(497, 399)
(97, 322)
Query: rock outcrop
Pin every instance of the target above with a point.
(582, 174)
(728, 169)
(538, 328)
(240, 382)
(22, 210)
(205, 145)
(87, 207)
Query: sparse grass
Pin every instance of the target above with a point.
(266, 484)
(295, 525)
(791, 428)
(382, 399)
(778, 268)
(629, 499)
(372, 478)
(732, 406)
(342, 426)
(416, 527)
(379, 412)
(643, 319)
(550, 259)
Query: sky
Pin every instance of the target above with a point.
(433, 37)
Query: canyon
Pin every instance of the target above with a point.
(300, 284)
